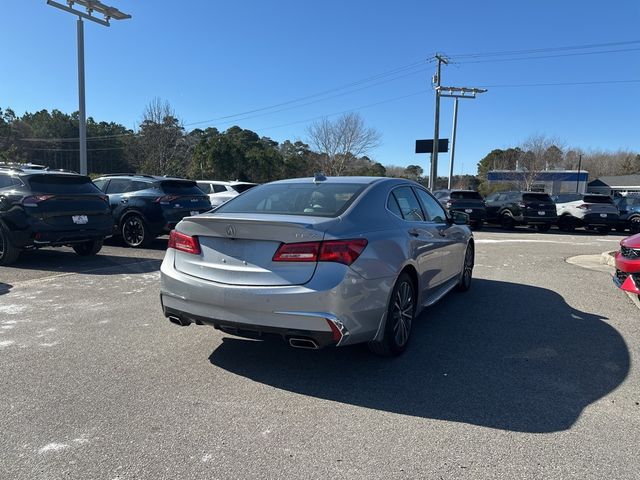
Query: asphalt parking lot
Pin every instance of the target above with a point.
(531, 374)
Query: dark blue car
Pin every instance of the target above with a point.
(629, 207)
(145, 206)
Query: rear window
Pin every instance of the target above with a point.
(321, 200)
(242, 188)
(466, 195)
(597, 199)
(180, 187)
(56, 184)
(536, 197)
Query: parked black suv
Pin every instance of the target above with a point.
(42, 208)
(466, 201)
(521, 208)
(145, 206)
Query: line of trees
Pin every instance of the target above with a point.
(162, 146)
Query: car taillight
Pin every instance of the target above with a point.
(166, 199)
(584, 206)
(339, 251)
(184, 243)
(34, 200)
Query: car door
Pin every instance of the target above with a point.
(115, 190)
(452, 237)
(493, 204)
(424, 242)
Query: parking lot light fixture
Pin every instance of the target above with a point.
(108, 13)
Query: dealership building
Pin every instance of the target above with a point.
(549, 181)
(615, 185)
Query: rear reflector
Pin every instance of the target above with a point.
(338, 251)
(184, 243)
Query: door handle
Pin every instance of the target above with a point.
(414, 233)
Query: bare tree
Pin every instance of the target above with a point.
(161, 143)
(538, 153)
(345, 138)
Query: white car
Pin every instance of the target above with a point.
(586, 210)
(221, 192)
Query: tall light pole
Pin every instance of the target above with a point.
(108, 13)
(433, 174)
(457, 93)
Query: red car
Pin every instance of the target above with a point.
(627, 276)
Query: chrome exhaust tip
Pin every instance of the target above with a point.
(307, 343)
(179, 321)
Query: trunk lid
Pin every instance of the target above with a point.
(238, 249)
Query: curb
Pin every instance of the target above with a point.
(607, 258)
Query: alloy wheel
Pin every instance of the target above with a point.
(133, 231)
(402, 313)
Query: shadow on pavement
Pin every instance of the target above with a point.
(503, 355)
(158, 244)
(555, 231)
(67, 261)
(4, 288)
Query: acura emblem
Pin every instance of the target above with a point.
(231, 231)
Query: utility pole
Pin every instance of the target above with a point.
(579, 167)
(457, 93)
(433, 175)
(453, 141)
(108, 13)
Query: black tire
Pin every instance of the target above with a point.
(544, 227)
(566, 224)
(507, 222)
(8, 252)
(135, 232)
(400, 316)
(603, 230)
(89, 248)
(467, 269)
(634, 225)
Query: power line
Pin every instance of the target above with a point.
(561, 84)
(548, 49)
(538, 57)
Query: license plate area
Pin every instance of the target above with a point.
(80, 219)
(468, 210)
(603, 215)
(541, 212)
(193, 213)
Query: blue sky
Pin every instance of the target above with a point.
(212, 59)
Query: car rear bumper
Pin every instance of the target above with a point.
(331, 302)
(536, 219)
(475, 214)
(38, 233)
(610, 220)
(627, 275)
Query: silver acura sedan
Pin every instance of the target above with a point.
(323, 261)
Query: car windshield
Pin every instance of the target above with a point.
(536, 197)
(324, 199)
(56, 184)
(597, 199)
(466, 196)
(180, 187)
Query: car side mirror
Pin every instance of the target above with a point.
(459, 218)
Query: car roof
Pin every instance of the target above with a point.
(341, 179)
(140, 176)
(222, 182)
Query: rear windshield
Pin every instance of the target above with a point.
(242, 187)
(536, 197)
(466, 195)
(62, 184)
(322, 200)
(597, 199)
(180, 187)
